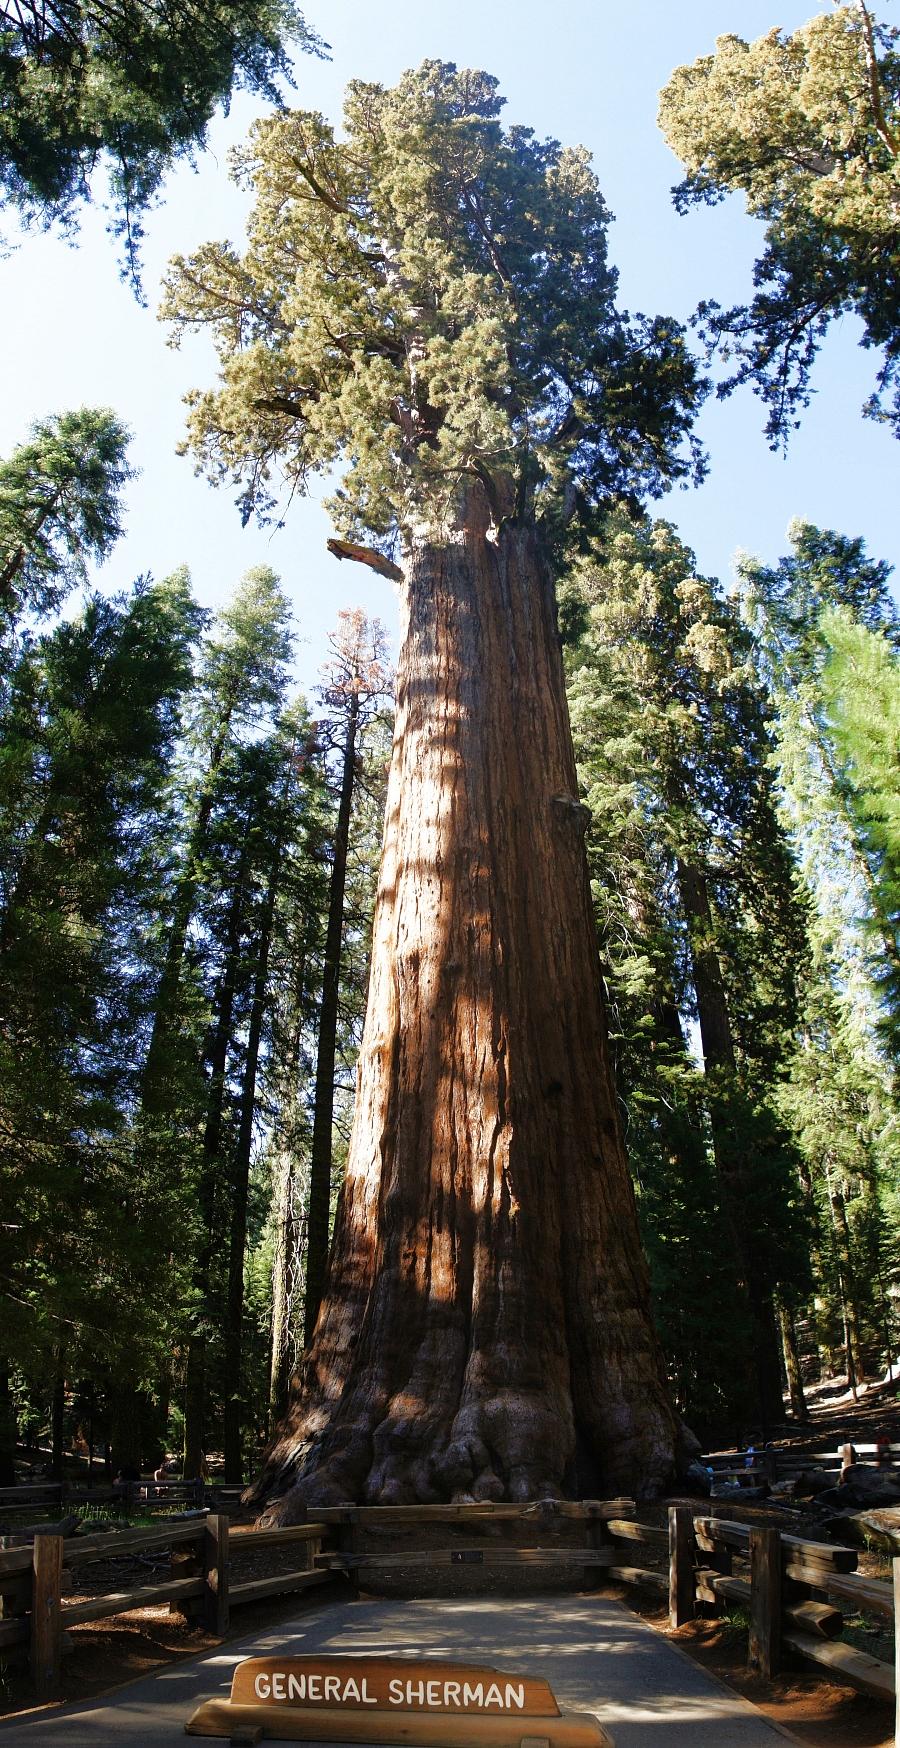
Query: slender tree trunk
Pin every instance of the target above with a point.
(57, 1413)
(8, 1431)
(844, 1242)
(732, 1168)
(289, 1236)
(240, 1187)
(217, 1056)
(165, 1016)
(849, 1313)
(323, 1119)
(823, 1310)
(709, 986)
(792, 1361)
(290, 1210)
(485, 1330)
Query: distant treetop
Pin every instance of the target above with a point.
(128, 86)
(807, 126)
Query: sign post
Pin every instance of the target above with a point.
(392, 1700)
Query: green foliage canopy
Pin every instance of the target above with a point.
(129, 84)
(828, 580)
(60, 506)
(428, 300)
(807, 127)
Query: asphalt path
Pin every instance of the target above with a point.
(597, 1656)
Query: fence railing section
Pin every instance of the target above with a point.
(776, 1464)
(37, 1615)
(796, 1593)
(147, 1495)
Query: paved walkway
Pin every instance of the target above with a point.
(597, 1656)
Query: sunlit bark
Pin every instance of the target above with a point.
(485, 1329)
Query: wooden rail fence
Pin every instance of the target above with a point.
(135, 1495)
(36, 1614)
(796, 1592)
(767, 1462)
(789, 1586)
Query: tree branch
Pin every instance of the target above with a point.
(884, 131)
(366, 555)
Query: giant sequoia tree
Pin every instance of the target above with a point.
(429, 303)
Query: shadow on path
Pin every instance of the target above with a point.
(596, 1655)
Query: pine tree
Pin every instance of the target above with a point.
(60, 506)
(299, 944)
(691, 872)
(785, 606)
(241, 685)
(91, 721)
(355, 681)
(860, 686)
(828, 589)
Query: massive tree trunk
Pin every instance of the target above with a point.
(485, 1330)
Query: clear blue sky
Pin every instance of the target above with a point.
(580, 70)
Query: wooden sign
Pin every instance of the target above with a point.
(389, 1683)
(391, 1700)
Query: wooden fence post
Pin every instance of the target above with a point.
(764, 1650)
(189, 1561)
(215, 1573)
(46, 1615)
(345, 1537)
(897, 1648)
(682, 1583)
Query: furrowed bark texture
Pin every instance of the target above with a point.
(485, 1331)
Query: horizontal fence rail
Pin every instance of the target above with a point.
(148, 1495)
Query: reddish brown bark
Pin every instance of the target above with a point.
(485, 1330)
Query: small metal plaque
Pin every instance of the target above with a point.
(466, 1557)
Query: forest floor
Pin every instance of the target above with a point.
(810, 1708)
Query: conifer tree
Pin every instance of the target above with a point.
(691, 872)
(805, 125)
(784, 606)
(60, 507)
(299, 939)
(429, 301)
(294, 1060)
(860, 687)
(241, 686)
(91, 720)
(355, 681)
(126, 86)
(828, 588)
